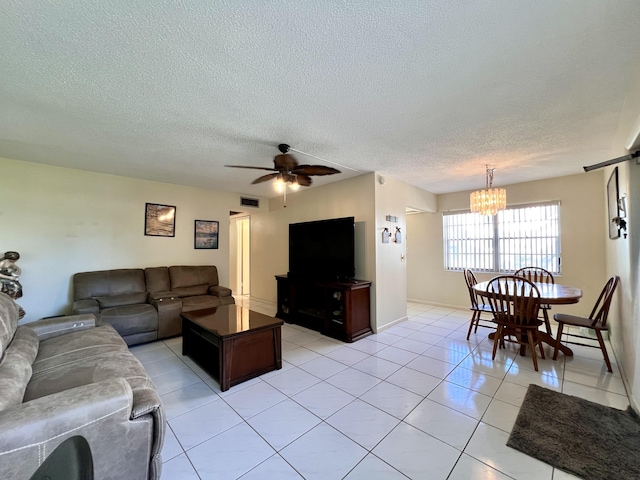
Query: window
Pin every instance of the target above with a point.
(514, 238)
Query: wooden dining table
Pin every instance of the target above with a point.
(550, 294)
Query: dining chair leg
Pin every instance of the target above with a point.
(523, 346)
(540, 346)
(604, 350)
(477, 322)
(496, 340)
(555, 350)
(533, 350)
(547, 323)
(473, 320)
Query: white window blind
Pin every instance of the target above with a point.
(516, 237)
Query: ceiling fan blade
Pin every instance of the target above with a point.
(303, 180)
(265, 178)
(314, 170)
(268, 169)
(285, 162)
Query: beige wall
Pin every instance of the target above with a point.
(63, 221)
(623, 260)
(582, 217)
(391, 198)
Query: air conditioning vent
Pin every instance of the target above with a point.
(249, 202)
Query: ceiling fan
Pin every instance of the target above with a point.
(287, 170)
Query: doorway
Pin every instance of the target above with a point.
(240, 261)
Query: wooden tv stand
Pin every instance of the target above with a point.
(334, 308)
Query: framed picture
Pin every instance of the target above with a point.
(206, 234)
(613, 204)
(160, 220)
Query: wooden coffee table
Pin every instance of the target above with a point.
(232, 343)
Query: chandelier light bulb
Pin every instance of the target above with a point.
(279, 185)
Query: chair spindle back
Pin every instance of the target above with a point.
(535, 274)
(600, 310)
(471, 280)
(514, 300)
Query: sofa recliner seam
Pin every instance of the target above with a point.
(80, 360)
(43, 442)
(78, 350)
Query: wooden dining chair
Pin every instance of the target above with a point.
(476, 308)
(539, 275)
(597, 321)
(515, 303)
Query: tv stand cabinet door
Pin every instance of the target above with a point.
(354, 321)
(357, 313)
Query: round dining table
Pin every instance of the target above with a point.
(550, 294)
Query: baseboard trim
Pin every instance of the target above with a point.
(440, 305)
(390, 324)
(627, 386)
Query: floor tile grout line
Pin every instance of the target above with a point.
(385, 379)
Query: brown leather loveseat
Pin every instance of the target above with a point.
(144, 305)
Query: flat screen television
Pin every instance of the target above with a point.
(323, 249)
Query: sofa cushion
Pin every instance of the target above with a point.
(89, 370)
(191, 291)
(131, 319)
(76, 347)
(15, 367)
(25, 343)
(9, 315)
(106, 283)
(15, 373)
(157, 279)
(122, 300)
(188, 276)
(198, 303)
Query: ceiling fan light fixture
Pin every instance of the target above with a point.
(287, 173)
(279, 184)
(489, 201)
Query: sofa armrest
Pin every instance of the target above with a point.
(219, 291)
(162, 295)
(88, 305)
(32, 430)
(52, 327)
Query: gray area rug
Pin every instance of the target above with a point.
(584, 438)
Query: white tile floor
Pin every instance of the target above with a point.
(416, 401)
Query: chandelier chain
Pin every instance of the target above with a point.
(490, 176)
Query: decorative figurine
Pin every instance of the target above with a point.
(9, 274)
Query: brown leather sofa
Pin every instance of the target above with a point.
(144, 305)
(66, 377)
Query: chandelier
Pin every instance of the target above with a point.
(490, 200)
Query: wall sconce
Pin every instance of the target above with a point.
(398, 236)
(621, 223)
(386, 232)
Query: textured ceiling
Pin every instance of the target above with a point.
(427, 91)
